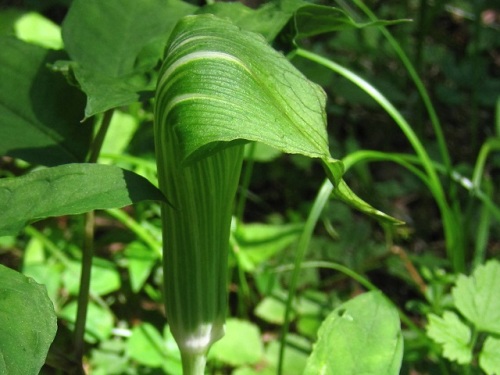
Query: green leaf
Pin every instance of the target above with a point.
(272, 309)
(146, 345)
(67, 190)
(452, 334)
(259, 242)
(489, 360)
(311, 19)
(99, 321)
(39, 112)
(217, 89)
(104, 277)
(241, 345)
(28, 324)
(34, 28)
(140, 262)
(114, 43)
(295, 357)
(476, 297)
(362, 336)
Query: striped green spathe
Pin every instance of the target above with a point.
(218, 88)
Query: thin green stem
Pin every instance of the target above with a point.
(438, 130)
(83, 295)
(49, 245)
(355, 276)
(99, 138)
(88, 249)
(193, 364)
(319, 203)
(454, 243)
(245, 182)
(137, 228)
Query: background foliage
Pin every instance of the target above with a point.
(453, 46)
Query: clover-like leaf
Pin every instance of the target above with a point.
(476, 297)
(452, 334)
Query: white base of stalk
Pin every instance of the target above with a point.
(193, 363)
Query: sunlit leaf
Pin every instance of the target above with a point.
(489, 360)
(241, 344)
(218, 89)
(452, 334)
(476, 297)
(362, 336)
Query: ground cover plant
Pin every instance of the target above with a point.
(175, 195)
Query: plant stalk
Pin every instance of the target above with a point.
(87, 250)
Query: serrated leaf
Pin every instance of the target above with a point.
(452, 334)
(241, 345)
(476, 297)
(116, 42)
(68, 190)
(28, 324)
(39, 112)
(489, 358)
(362, 336)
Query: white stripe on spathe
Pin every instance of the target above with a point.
(193, 56)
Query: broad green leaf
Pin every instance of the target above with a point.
(114, 43)
(362, 336)
(28, 324)
(217, 89)
(67, 190)
(312, 19)
(452, 334)
(476, 297)
(99, 323)
(241, 345)
(39, 112)
(489, 358)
